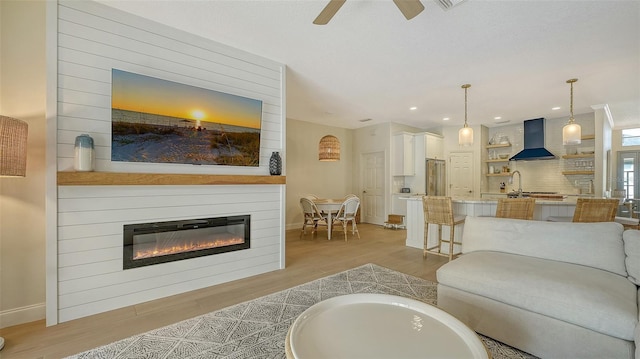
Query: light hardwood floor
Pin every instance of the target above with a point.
(307, 259)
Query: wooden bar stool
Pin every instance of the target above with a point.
(596, 209)
(438, 210)
(518, 208)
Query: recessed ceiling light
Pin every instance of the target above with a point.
(497, 118)
(445, 119)
(413, 108)
(556, 108)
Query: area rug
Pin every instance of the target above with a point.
(257, 328)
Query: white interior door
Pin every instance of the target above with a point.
(461, 174)
(372, 204)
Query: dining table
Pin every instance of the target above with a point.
(330, 207)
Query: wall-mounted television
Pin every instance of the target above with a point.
(159, 121)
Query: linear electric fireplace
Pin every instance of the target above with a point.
(160, 242)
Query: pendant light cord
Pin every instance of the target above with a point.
(465, 87)
(571, 81)
(571, 105)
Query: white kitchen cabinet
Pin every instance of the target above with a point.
(403, 149)
(433, 146)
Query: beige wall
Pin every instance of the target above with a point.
(22, 200)
(305, 174)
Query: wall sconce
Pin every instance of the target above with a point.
(571, 132)
(329, 149)
(465, 135)
(13, 147)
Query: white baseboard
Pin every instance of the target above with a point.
(22, 315)
(293, 226)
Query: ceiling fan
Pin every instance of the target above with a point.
(409, 8)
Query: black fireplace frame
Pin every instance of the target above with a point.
(129, 230)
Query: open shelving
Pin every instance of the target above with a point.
(568, 173)
(498, 160)
(500, 145)
(580, 156)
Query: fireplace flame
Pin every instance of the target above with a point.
(186, 247)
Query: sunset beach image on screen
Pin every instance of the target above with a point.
(160, 121)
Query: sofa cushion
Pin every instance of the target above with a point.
(581, 295)
(597, 245)
(632, 250)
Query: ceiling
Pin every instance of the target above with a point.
(369, 62)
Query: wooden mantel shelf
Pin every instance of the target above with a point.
(153, 179)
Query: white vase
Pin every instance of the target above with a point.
(84, 156)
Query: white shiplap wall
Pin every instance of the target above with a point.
(93, 39)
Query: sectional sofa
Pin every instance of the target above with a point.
(555, 290)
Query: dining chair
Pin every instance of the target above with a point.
(517, 208)
(439, 210)
(313, 197)
(596, 209)
(312, 216)
(351, 195)
(346, 214)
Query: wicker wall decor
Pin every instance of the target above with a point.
(329, 149)
(13, 147)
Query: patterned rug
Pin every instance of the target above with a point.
(257, 328)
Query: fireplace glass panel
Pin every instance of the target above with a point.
(160, 242)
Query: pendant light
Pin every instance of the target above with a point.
(465, 135)
(329, 149)
(571, 132)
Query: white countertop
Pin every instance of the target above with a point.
(564, 194)
(565, 202)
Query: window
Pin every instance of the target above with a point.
(631, 137)
(628, 172)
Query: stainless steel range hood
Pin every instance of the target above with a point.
(533, 142)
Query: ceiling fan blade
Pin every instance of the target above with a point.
(409, 8)
(327, 13)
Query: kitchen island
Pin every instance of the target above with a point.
(473, 207)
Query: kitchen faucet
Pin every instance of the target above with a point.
(519, 181)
